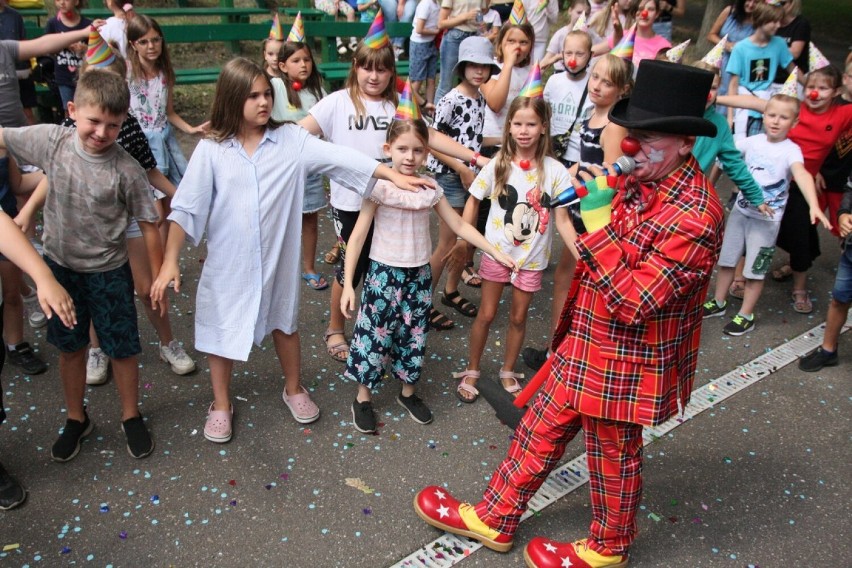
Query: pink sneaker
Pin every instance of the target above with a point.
(218, 426)
(301, 406)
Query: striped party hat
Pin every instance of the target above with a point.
(99, 53)
(297, 32)
(532, 86)
(377, 37)
(791, 85)
(407, 108)
(624, 49)
(519, 14)
(675, 54)
(540, 7)
(581, 25)
(714, 56)
(275, 32)
(816, 60)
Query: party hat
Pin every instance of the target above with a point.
(297, 32)
(675, 54)
(791, 85)
(532, 86)
(275, 32)
(99, 53)
(377, 37)
(714, 56)
(519, 14)
(816, 60)
(541, 6)
(624, 49)
(407, 108)
(581, 25)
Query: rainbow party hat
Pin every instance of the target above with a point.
(714, 56)
(675, 54)
(532, 86)
(275, 32)
(791, 85)
(407, 108)
(99, 53)
(816, 60)
(297, 32)
(624, 49)
(581, 25)
(377, 37)
(519, 14)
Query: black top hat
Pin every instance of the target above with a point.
(668, 98)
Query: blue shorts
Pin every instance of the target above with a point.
(842, 291)
(454, 191)
(106, 300)
(314, 195)
(422, 60)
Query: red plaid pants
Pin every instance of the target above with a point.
(614, 451)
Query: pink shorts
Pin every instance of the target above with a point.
(493, 271)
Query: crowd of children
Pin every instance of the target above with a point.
(254, 186)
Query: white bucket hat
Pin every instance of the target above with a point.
(476, 49)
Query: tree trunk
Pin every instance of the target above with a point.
(711, 12)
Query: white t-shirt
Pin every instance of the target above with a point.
(563, 95)
(769, 164)
(337, 119)
(115, 31)
(519, 223)
(427, 10)
(495, 121)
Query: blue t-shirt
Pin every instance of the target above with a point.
(67, 62)
(755, 65)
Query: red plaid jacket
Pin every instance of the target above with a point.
(628, 343)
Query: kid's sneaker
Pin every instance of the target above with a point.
(32, 309)
(68, 444)
(97, 367)
(739, 325)
(363, 417)
(712, 309)
(139, 442)
(176, 357)
(24, 357)
(418, 411)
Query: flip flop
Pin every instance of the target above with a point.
(315, 281)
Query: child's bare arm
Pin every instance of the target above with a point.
(179, 122)
(566, 229)
(169, 270)
(161, 182)
(32, 206)
(805, 181)
(469, 233)
(446, 145)
(310, 124)
(353, 250)
(50, 43)
(742, 101)
(465, 173)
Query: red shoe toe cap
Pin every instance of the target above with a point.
(438, 508)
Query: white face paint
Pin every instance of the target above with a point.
(659, 154)
(656, 156)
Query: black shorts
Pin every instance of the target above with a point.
(106, 300)
(28, 93)
(344, 224)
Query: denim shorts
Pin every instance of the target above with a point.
(842, 291)
(314, 195)
(422, 60)
(454, 191)
(106, 300)
(167, 151)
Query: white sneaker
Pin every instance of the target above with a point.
(174, 355)
(32, 309)
(341, 49)
(353, 44)
(97, 367)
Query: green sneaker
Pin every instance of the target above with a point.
(739, 325)
(712, 309)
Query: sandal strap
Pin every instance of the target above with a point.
(329, 332)
(467, 373)
(511, 375)
(468, 388)
(452, 295)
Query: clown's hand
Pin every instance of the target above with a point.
(596, 195)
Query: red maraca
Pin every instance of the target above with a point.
(525, 164)
(297, 86)
(572, 64)
(630, 146)
(813, 95)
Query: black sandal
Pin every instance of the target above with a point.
(462, 305)
(440, 322)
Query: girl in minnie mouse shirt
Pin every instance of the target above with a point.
(520, 183)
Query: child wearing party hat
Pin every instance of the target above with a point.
(578, 11)
(542, 16)
(645, 41)
(272, 44)
(392, 320)
(773, 159)
(520, 183)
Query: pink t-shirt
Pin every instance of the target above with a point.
(401, 225)
(646, 48)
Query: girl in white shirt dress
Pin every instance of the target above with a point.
(244, 185)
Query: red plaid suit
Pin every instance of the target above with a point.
(626, 354)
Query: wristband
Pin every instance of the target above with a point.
(473, 160)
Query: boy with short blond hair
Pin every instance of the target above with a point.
(772, 159)
(95, 188)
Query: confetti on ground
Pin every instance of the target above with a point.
(9, 547)
(358, 484)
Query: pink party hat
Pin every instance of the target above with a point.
(519, 14)
(624, 49)
(532, 87)
(275, 32)
(377, 37)
(714, 56)
(581, 25)
(816, 60)
(675, 54)
(297, 32)
(99, 53)
(791, 85)
(407, 108)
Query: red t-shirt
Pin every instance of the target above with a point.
(816, 134)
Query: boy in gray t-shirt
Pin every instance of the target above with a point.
(95, 188)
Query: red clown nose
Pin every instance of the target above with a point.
(644, 14)
(297, 86)
(813, 95)
(572, 64)
(630, 146)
